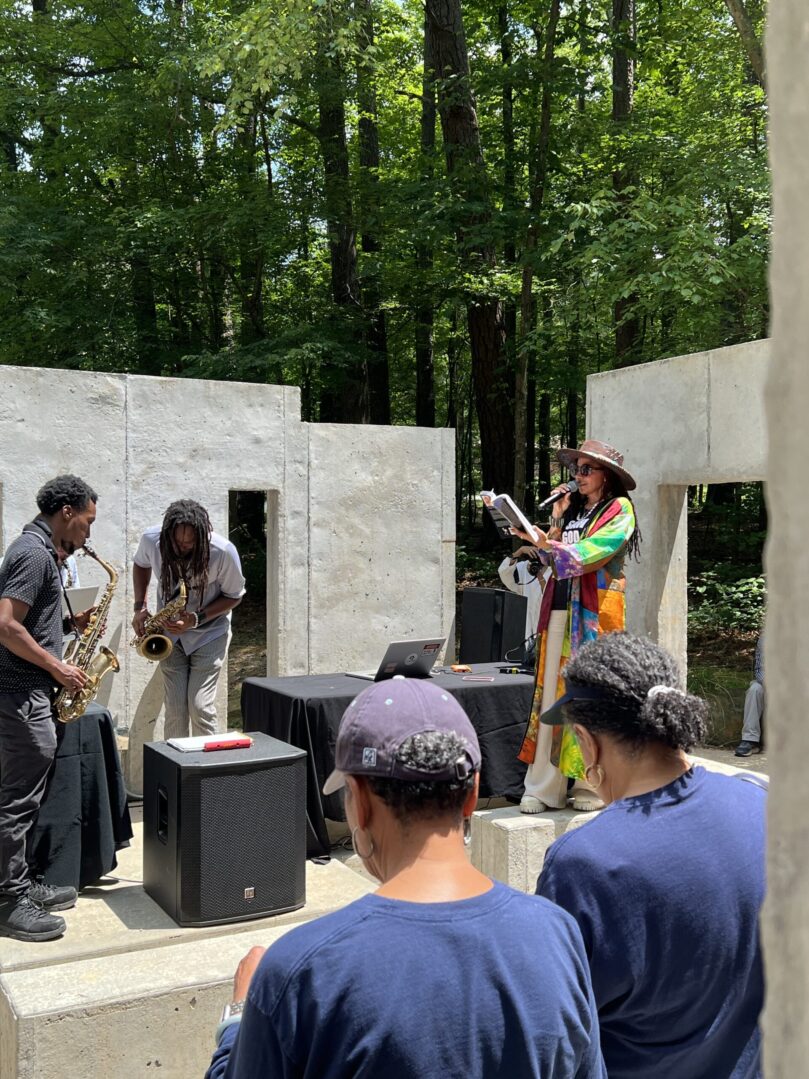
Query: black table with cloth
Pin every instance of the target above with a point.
(84, 818)
(306, 711)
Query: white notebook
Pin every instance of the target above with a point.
(197, 745)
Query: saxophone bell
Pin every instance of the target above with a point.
(154, 647)
(152, 644)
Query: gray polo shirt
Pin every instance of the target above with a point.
(29, 573)
(224, 579)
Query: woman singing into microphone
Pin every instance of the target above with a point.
(592, 532)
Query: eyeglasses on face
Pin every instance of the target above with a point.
(585, 470)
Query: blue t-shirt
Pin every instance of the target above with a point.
(494, 987)
(667, 888)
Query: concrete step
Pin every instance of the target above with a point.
(510, 846)
(126, 991)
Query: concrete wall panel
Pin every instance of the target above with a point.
(686, 420)
(374, 582)
(736, 422)
(785, 925)
(53, 422)
(360, 545)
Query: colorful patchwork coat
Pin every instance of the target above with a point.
(596, 605)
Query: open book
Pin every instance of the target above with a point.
(506, 514)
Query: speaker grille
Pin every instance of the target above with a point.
(242, 836)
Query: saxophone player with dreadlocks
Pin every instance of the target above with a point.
(184, 548)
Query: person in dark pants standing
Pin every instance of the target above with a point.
(31, 630)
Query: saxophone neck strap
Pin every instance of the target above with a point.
(40, 529)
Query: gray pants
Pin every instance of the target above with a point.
(189, 688)
(27, 749)
(753, 712)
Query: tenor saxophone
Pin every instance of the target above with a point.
(86, 652)
(151, 644)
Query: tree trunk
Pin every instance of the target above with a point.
(144, 312)
(376, 330)
(626, 322)
(544, 442)
(345, 400)
(251, 255)
(537, 197)
(531, 426)
(9, 151)
(425, 361)
(752, 46)
(468, 181)
(509, 179)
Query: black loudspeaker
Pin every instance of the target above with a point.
(492, 623)
(224, 832)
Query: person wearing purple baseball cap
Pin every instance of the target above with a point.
(441, 972)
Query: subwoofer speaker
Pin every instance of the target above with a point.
(492, 624)
(225, 832)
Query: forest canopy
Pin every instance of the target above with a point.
(443, 214)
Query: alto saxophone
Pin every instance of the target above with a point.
(151, 644)
(81, 652)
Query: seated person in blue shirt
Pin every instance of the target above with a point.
(441, 972)
(667, 882)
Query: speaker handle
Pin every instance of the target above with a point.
(162, 815)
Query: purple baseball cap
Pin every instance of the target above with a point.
(385, 715)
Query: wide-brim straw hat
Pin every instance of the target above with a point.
(601, 452)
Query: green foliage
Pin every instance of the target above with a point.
(724, 689)
(164, 203)
(474, 567)
(718, 605)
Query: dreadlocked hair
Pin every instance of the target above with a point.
(645, 701)
(614, 488)
(185, 512)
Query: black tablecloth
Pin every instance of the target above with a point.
(83, 819)
(306, 711)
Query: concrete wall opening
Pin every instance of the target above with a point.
(252, 523)
(727, 529)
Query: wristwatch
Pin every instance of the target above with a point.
(200, 617)
(231, 1014)
(236, 1007)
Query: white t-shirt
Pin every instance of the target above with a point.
(225, 578)
(518, 578)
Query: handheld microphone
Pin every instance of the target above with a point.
(567, 489)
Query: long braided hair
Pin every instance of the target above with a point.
(613, 488)
(174, 568)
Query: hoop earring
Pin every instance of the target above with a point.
(601, 776)
(357, 851)
(467, 831)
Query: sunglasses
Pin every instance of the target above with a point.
(584, 470)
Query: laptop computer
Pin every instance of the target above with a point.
(415, 659)
(80, 599)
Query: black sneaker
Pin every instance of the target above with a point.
(745, 748)
(52, 897)
(24, 920)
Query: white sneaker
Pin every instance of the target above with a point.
(586, 801)
(529, 804)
